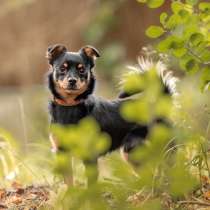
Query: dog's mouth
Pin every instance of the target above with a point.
(71, 89)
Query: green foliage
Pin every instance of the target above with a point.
(170, 161)
(186, 36)
(151, 103)
(84, 141)
(181, 181)
(18, 164)
(7, 161)
(152, 3)
(154, 31)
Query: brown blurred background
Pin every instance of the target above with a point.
(29, 26)
(115, 27)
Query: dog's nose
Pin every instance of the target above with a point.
(72, 81)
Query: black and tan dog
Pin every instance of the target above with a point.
(71, 82)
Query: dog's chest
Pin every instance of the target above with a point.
(67, 115)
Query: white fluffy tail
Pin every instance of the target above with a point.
(147, 64)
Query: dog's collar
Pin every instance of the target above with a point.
(63, 102)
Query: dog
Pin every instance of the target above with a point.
(71, 81)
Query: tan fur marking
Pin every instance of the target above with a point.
(79, 66)
(69, 95)
(54, 143)
(65, 65)
(89, 52)
(63, 83)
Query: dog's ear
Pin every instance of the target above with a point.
(53, 52)
(90, 52)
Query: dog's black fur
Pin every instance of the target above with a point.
(123, 134)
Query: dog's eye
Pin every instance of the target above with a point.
(64, 68)
(81, 68)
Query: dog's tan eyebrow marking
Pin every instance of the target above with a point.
(79, 66)
(65, 65)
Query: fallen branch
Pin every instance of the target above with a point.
(202, 203)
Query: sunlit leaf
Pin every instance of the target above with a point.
(154, 31)
(163, 18)
(181, 181)
(196, 38)
(155, 3)
(136, 111)
(192, 2)
(204, 6)
(176, 6)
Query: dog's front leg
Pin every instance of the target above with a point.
(54, 143)
(68, 179)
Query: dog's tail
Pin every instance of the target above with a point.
(147, 64)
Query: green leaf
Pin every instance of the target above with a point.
(190, 30)
(177, 6)
(205, 79)
(154, 31)
(184, 14)
(163, 18)
(173, 21)
(133, 83)
(171, 42)
(205, 56)
(189, 64)
(192, 2)
(136, 111)
(204, 6)
(179, 52)
(196, 39)
(142, 1)
(163, 107)
(165, 45)
(155, 3)
(181, 180)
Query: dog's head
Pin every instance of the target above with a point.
(71, 71)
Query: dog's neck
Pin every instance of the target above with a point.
(67, 102)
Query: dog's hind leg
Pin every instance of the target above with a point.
(134, 138)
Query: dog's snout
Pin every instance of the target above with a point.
(72, 81)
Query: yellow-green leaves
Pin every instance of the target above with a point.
(8, 163)
(132, 83)
(155, 3)
(170, 43)
(137, 111)
(151, 103)
(84, 141)
(186, 34)
(205, 79)
(192, 2)
(181, 181)
(176, 6)
(154, 31)
(152, 3)
(163, 18)
(204, 7)
(196, 38)
(189, 64)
